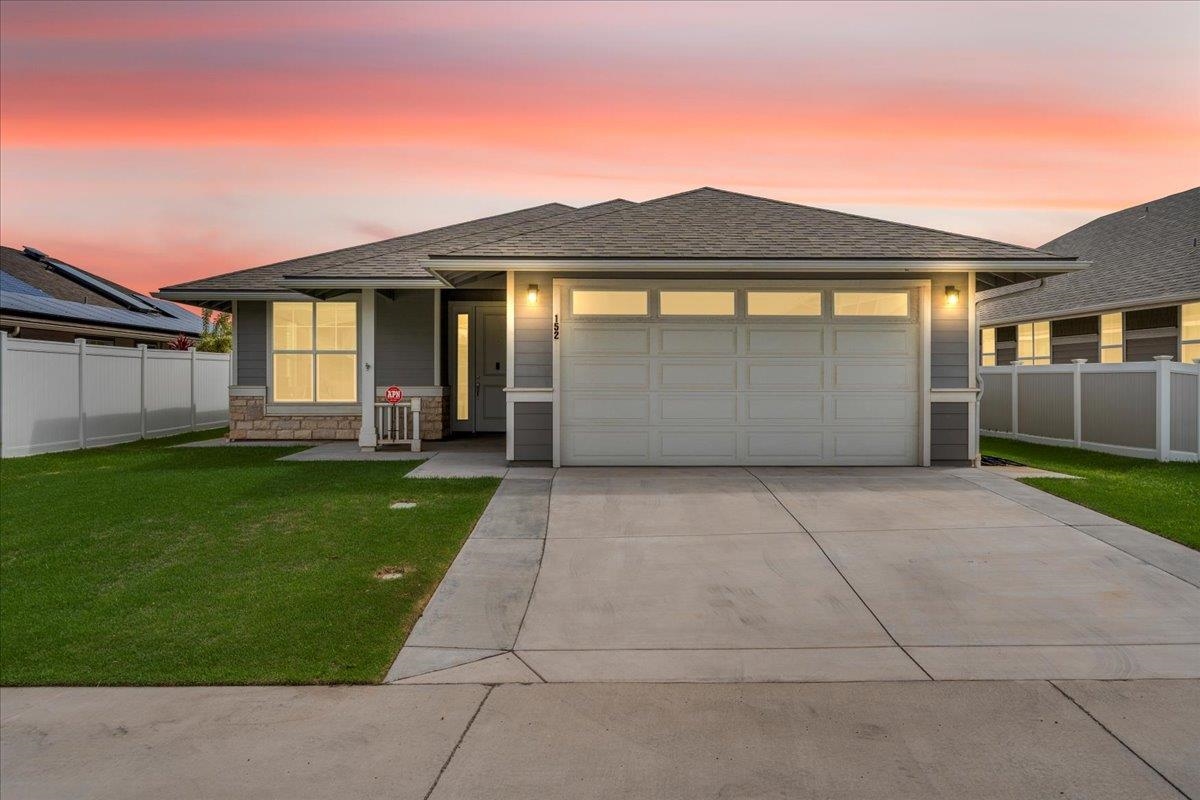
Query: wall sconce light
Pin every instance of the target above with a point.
(951, 295)
(532, 294)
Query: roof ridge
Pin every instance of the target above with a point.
(877, 220)
(559, 225)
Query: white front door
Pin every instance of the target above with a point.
(772, 374)
(477, 365)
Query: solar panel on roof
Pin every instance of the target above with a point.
(11, 283)
(68, 309)
(99, 286)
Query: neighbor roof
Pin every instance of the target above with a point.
(712, 223)
(33, 284)
(1141, 255)
(699, 224)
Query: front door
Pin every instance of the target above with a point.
(477, 368)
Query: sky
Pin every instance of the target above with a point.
(158, 142)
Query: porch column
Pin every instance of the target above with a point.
(366, 375)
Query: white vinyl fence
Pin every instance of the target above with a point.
(1147, 409)
(58, 396)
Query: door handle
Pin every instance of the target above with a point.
(477, 387)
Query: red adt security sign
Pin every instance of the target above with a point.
(393, 394)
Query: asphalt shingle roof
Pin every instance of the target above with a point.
(1138, 255)
(265, 278)
(702, 223)
(712, 223)
(408, 262)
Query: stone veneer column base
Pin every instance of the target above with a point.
(249, 421)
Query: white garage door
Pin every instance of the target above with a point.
(662, 375)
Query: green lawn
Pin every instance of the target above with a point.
(1163, 498)
(144, 564)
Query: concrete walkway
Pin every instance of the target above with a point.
(835, 741)
(785, 574)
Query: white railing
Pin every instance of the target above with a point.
(399, 423)
(1145, 409)
(58, 396)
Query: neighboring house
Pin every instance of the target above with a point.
(44, 298)
(706, 327)
(1139, 299)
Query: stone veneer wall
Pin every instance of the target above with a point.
(249, 421)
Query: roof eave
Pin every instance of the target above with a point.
(1048, 265)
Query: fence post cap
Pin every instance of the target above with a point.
(1078, 360)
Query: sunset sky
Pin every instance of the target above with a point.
(159, 142)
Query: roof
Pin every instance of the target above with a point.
(34, 284)
(266, 278)
(712, 223)
(700, 224)
(1140, 256)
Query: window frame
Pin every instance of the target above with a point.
(1033, 358)
(1184, 343)
(1119, 347)
(984, 352)
(313, 352)
(649, 295)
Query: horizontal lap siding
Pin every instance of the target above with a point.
(1137, 349)
(404, 338)
(532, 431)
(532, 359)
(949, 335)
(949, 432)
(250, 326)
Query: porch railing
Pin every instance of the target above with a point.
(399, 423)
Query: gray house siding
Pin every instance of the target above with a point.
(949, 434)
(1143, 348)
(950, 363)
(532, 360)
(404, 338)
(1064, 352)
(533, 435)
(250, 331)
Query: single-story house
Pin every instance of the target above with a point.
(48, 299)
(701, 328)
(1139, 299)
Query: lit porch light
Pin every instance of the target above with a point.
(951, 295)
(532, 294)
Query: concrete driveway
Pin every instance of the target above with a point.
(793, 574)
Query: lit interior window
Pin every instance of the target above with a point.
(783, 304)
(1112, 350)
(1189, 332)
(987, 348)
(462, 391)
(314, 352)
(1033, 343)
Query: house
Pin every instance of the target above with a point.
(701, 328)
(1139, 299)
(44, 298)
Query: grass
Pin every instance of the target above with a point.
(147, 565)
(1163, 498)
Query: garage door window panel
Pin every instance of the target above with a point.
(696, 304)
(609, 303)
(870, 304)
(783, 304)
